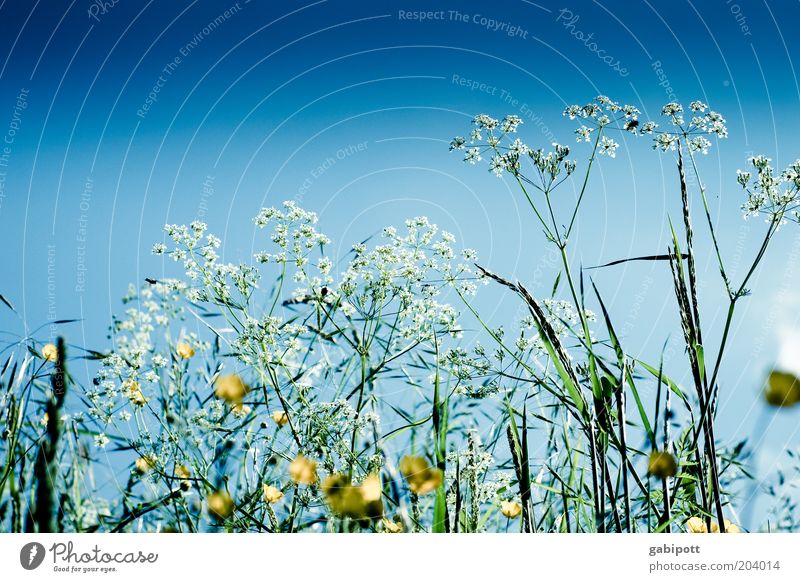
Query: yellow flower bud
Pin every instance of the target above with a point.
(272, 494)
(782, 389)
(280, 417)
(184, 350)
(183, 473)
(133, 392)
(421, 478)
(662, 465)
(50, 352)
(354, 501)
(303, 471)
(698, 525)
(230, 388)
(510, 509)
(220, 505)
(144, 464)
(392, 526)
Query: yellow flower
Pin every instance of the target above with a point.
(782, 389)
(241, 410)
(183, 473)
(280, 418)
(510, 509)
(698, 525)
(50, 352)
(184, 350)
(355, 501)
(372, 493)
(421, 478)
(133, 391)
(272, 494)
(662, 465)
(220, 505)
(144, 464)
(392, 526)
(303, 471)
(230, 388)
(731, 527)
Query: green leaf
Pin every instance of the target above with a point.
(701, 360)
(7, 302)
(666, 379)
(566, 378)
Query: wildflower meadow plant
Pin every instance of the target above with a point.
(300, 391)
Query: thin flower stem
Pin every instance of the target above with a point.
(585, 182)
(710, 224)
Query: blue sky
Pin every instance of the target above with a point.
(123, 116)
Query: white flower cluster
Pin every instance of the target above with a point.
(776, 196)
(135, 361)
(328, 427)
(198, 254)
(413, 268)
(703, 122)
(293, 232)
(492, 136)
(603, 112)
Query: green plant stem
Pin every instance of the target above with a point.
(585, 183)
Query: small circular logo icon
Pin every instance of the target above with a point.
(31, 555)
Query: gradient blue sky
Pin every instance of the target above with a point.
(256, 106)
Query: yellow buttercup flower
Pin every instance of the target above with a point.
(698, 525)
(230, 388)
(183, 473)
(782, 389)
(731, 527)
(50, 352)
(421, 478)
(144, 464)
(354, 501)
(280, 417)
(184, 350)
(220, 505)
(662, 465)
(510, 509)
(272, 494)
(133, 392)
(303, 471)
(392, 526)
(343, 498)
(241, 410)
(372, 493)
